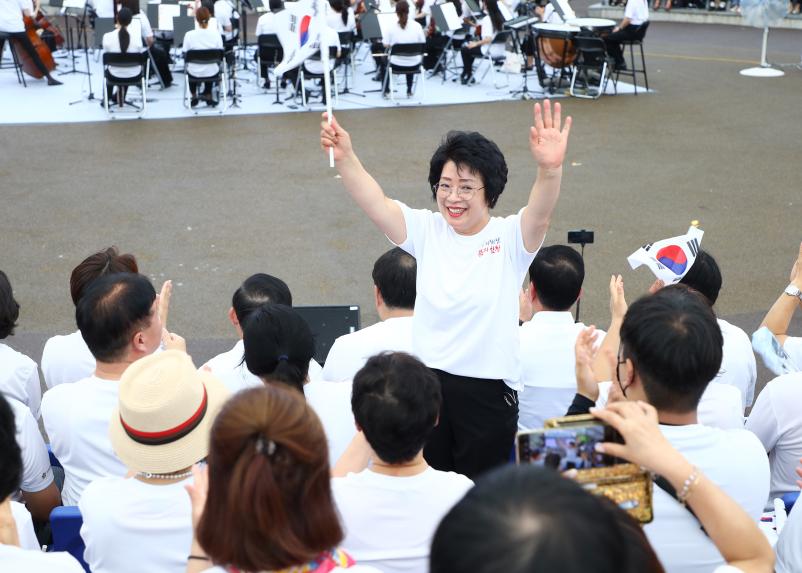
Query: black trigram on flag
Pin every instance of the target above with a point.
(693, 245)
(647, 246)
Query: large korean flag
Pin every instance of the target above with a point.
(298, 27)
(669, 259)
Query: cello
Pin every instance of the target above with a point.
(26, 61)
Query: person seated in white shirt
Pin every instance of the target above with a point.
(160, 56)
(547, 381)
(738, 366)
(265, 25)
(37, 487)
(404, 30)
(19, 550)
(670, 349)
(19, 376)
(525, 519)
(120, 320)
(66, 358)
(255, 291)
(224, 13)
(143, 521)
(636, 13)
(340, 17)
(203, 38)
(119, 41)
(394, 275)
(314, 64)
(389, 499)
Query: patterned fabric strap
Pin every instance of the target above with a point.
(325, 563)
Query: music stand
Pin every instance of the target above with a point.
(563, 9)
(74, 9)
(327, 323)
(446, 20)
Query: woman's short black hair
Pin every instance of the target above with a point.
(257, 290)
(10, 456)
(472, 151)
(9, 308)
(520, 519)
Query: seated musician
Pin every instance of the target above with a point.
(341, 17)
(636, 13)
(119, 41)
(202, 38)
(491, 24)
(12, 24)
(264, 26)
(314, 64)
(404, 31)
(160, 56)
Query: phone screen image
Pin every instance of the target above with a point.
(565, 448)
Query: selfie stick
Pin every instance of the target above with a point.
(579, 300)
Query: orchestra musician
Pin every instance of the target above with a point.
(202, 38)
(340, 17)
(160, 57)
(491, 24)
(266, 25)
(119, 41)
(13, 24)
(404, 31)
(636, 13)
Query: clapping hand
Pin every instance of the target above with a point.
(618, 304)
(586, 384)
(548, 138)
(198, 491)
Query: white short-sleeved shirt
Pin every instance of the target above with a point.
(497, 49)
(389, 521)
(548, 369)
(17, 559)
(37, 474)
(66, 359)
(738, 366)
(351, 351)
(111, 45)
(11, 15)
(789, 545)
(25, 531)
(76, 418)
(230, 368)
(147, 29)
(265, 25)
(208, 38)
(19, 379)
(776, 419)
(637, 11)
(732, 459)
(334, 20)
(331, 401)
(155, 521)
(411, 34)
(466, 308)
(793, 347)
(223, 12)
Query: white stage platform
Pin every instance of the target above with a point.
(69, 103)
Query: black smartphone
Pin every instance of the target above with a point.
(568, 447)
(582, 237)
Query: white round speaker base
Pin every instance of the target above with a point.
(761, 72)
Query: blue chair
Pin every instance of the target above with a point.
(789, 499)
(66, 521)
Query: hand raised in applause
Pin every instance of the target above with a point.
(172, 341)
(796, 270)
(198, 491)
(164, 301)
(548, 138)
(618, 304)
(335, 137)
(586, 383)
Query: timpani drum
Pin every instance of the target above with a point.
(555, 44)
(601, 26)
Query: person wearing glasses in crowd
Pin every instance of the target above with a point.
(470, 269)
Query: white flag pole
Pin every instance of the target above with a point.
(324, 57)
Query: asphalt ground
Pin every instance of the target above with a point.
(209, 201)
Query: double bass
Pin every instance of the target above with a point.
(28, 65)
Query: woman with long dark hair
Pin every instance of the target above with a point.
(119, 41)
(341, 17)
(491, 24)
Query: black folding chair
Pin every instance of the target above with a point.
(220, 78)
(269, 55)
(128, 60)
(407, 50)
(591, 61)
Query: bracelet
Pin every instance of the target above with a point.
(688, 484)
(198, 557)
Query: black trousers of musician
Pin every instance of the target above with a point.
(477, 426)
(162, 60)
(410, 76)
(468, 56)
(28, 47)
(207, 88)
(613, 42)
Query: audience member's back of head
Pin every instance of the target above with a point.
(394, 274)
(105, 262)
(278, 345)
(276, 5)
(9, 308)
(112, 310)
(10, 455)
(557, 273)
(396, 401)
(704, 276)
(270, 504)
(675, 345)
(257, 290)
(522, 519)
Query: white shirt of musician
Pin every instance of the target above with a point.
(203, 39)
(11, 15)
(265, 25)
(223, 12)
(334, 20)
(111, 45)
(411, 34)
(637, 11)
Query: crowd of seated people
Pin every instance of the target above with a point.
(396, 458)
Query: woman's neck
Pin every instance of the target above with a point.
(413, 467)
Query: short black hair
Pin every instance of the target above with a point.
(9, 308)
(472, 151)
(278, 345)
(396, 401)
(257, 290)
(111, 310)
(520, 519)
(276, 5)
(394, 275)
(557, 272)
(675, 344)
(704, 276)
(10, 454)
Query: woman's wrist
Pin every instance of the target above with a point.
(550, 171)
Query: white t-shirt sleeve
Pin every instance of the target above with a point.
(36, 471)
(763, 421)
(34, 388)
(147, 30)
(336, 367)
(793, 347)
(417, 224)
(521, 257)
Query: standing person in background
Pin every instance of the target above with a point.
(470, 270)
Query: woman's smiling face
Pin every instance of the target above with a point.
(461, 199)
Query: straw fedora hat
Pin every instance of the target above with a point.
(164, 414)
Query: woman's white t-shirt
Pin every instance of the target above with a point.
(203, 39)
(132, 526)
(411, 34)
(19, 379)
(111, 44)
(466, 310)
(334, 20)
(15, 559)
(497, 49)
(66, 359)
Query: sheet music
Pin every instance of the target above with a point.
(452, 18)
(385, 6)
(505, 11)
(563, 9)
(76, 4)
(166, 14)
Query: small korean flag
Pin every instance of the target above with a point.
(669, 259)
